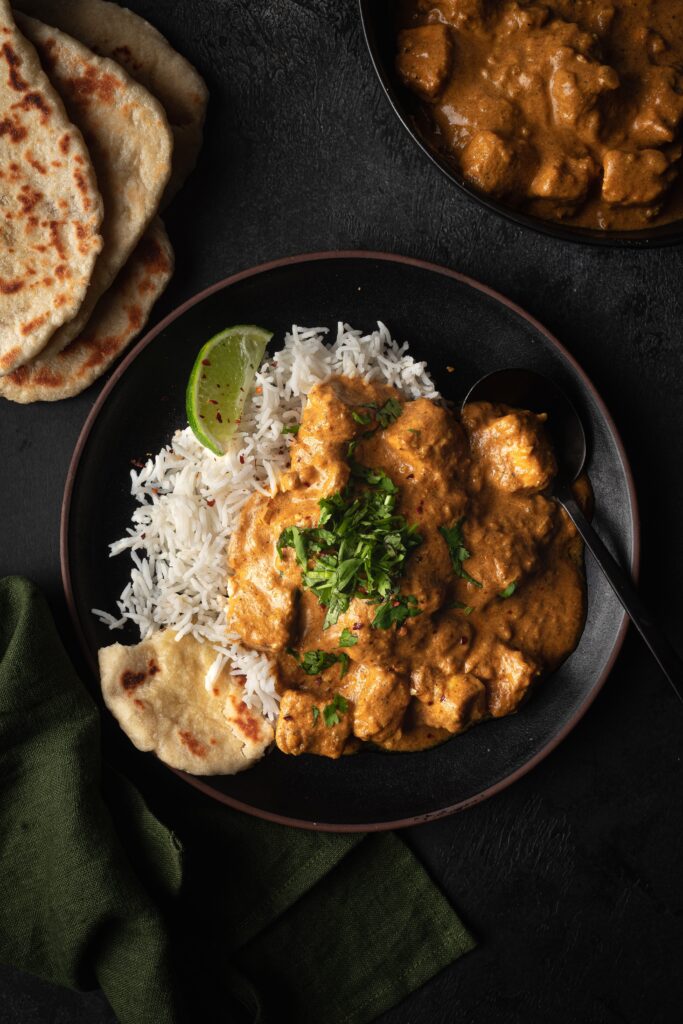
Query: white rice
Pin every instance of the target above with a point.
(189, 498)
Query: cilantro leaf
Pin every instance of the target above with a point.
(315, 662)
(291, 538)
(389, 413)
(291, 428)
(467, 609)
(347, 638)
(361, 417)
(333, 711)
(316, 714)
(509, 590)
(456, 547)
(395, 611)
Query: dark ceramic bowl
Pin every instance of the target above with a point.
(378, 25)
(450, 321)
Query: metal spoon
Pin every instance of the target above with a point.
(524, 389)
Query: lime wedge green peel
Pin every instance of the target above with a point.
(220, 382)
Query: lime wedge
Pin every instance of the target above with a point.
(220, 381)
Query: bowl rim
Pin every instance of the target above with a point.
(658, 237)
(346, 254)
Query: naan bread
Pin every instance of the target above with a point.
(50, 207)
(147, 56)
(156, 692)
(119, 316)
(130, 144)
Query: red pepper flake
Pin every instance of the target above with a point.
(210, 502)
(213, 401)
(241, 460)
(206, 362)
(138, 463)
(358, 625)
(216, 691)
(259, 390)
(238, 421)
(219, 417)
(411, 476)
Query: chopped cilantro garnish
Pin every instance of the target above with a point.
(292, 428)
(331, 712)
(395, 611)
(347, 638)
(359, 547)
(361, 417)
(457, 550)
(374, 477)
(316, 714)
(389, 413)
(291, 538)
(509, 590)
(315, 662)
(467, 609)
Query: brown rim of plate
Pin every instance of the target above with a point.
(196, 781)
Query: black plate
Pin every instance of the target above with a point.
(450, 321)
(380, 35)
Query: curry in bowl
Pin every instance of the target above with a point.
(409, 577)
(568, 110)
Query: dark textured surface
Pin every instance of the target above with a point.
(571, 879)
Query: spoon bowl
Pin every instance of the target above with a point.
(525, 389)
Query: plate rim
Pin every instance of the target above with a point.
(356, 254)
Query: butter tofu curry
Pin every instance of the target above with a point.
(568, 109)
(409, 577)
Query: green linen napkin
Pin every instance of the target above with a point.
(178, 908)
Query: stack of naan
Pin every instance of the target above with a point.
(100, 123)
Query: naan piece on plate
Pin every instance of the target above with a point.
(130, 144)
(148, 57)
(119, 316)
(50, 206)
(156, 692)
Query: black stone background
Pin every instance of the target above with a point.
(571, 879)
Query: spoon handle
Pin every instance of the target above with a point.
(668, 660)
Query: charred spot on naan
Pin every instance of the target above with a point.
(14, 62)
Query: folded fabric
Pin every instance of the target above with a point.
(178, 908)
